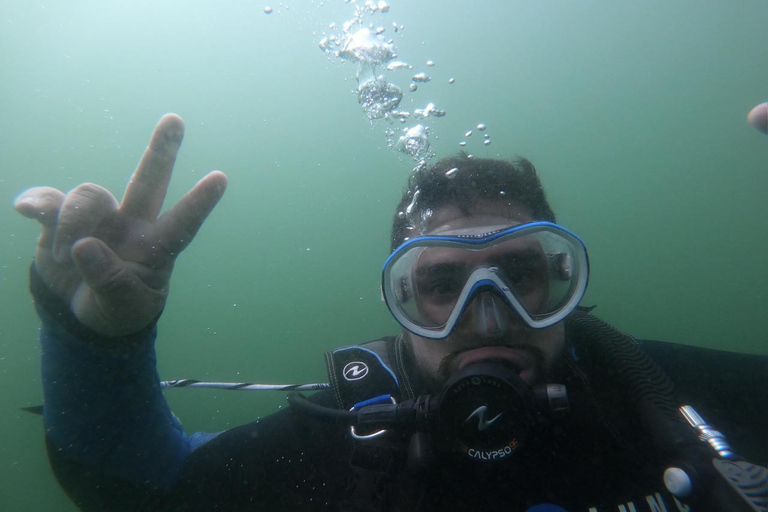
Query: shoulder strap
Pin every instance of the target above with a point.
(363, 372)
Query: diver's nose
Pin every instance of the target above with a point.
(490, 314)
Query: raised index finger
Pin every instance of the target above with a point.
(146, 190)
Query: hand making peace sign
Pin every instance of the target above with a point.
(110, 261)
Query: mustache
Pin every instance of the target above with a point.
(448, 363)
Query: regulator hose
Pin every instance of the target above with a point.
(649, 388)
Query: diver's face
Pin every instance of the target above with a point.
(488, 329)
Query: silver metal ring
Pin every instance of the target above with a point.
(372, 435)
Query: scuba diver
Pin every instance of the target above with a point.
(501, 392)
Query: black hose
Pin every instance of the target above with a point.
(650, 389)
(301, 403)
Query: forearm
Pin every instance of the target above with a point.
(103, 403)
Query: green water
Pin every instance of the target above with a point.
(633, 112)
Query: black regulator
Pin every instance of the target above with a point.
(485, 409)
(488, 412)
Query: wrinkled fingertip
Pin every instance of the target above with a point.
(170, 128)
(25, 205)
(24, 195)
(38, 198)
(172, 117)
(41, 203)
(219, 180)
(758, 117)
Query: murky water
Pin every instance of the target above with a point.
(633, 112)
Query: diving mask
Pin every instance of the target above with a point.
(538, 269)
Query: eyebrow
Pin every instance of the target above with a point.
(526, 256)
(439, 268)
(529, 255)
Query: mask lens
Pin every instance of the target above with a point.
(560, 254)
(536, 271)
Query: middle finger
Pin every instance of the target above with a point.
(146, 191)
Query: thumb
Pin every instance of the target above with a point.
(114, 301)
(99, 266)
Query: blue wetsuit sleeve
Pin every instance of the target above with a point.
(104, 406)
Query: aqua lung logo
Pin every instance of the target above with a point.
(482, 423)
(355, 370)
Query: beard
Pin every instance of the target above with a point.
(434, 382)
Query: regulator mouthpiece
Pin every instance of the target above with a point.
(489, 409)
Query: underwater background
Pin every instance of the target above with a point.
(633, 113)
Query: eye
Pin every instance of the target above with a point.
(523, 276)
(440, 289)
(443, 286)
(519, 277)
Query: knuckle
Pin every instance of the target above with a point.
(114, 279)
(90, 193)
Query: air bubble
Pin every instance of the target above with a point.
(451, 80)
(421, 77)
(450, 174)
(429, 110)
(463, 143)
(420, 166)
(468, 133)
(430, 63)
(365, 46)
(392, 66)
(401, 116)
(378, 97)
(481, 127)
(487, 142)
(267, 10)
(410, 208)
(415, 142)
(413, 87)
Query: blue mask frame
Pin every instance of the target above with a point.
(572, 266)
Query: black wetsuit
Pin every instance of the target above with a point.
(114, 445)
